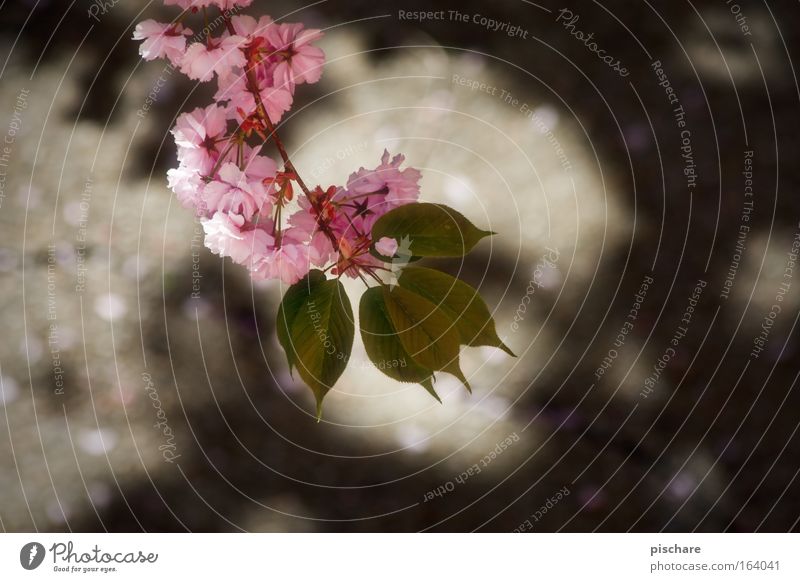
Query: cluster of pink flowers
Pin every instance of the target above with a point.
(245, 200)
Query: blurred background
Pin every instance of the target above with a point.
(645, 274)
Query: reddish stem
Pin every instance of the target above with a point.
(261, 110)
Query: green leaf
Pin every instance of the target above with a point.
(426, 333)
(433, 229)
(383, 345)
(290, 306)
(315, 328)
(460, 301)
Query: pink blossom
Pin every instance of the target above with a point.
(298, 60)
(197, 4)
(320, 249)
(228, 236)
(161, 40)
(249, 27)
(232, 191)
(233, 88)
(303, 220)
(228, 4)
(186, 183)
(201, 60)
(289, 263)
(352, 227)
(353, 258)
(304, 229)
(196, 135)
(372, 193)
(393, 186)
(386, 246)
(258, 167)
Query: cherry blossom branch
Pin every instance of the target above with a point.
(252, 87)
(245, 202)
(242, 195)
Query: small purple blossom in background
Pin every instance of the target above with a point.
(386, 246)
